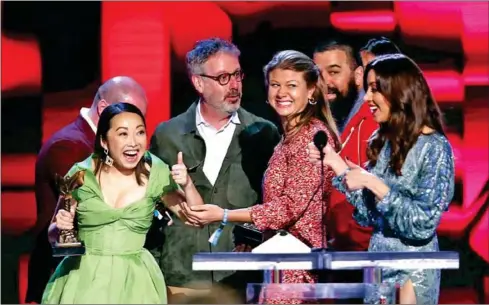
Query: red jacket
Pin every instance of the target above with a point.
(346, 233)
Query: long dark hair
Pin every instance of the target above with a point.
(412, 107)
(299, 62)
(103, 127)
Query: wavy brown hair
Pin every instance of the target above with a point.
(412, 107)
(299, 62)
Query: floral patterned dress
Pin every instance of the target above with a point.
(289, 183)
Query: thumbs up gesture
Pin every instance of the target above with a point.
(179, 172)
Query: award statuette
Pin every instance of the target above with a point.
(68, 243)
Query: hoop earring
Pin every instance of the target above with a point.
(267, 102)
(108, 160)
(311, 101)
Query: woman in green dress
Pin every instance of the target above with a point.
(114, 208)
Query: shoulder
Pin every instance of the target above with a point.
(157, 165)
(307, 132)
(160, 176)
(258, 130)
(434, 148)
(172, 125)
(253, 118)
(58, 151)
(84, 165)
(69, 137)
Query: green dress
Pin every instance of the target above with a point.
(116, 268)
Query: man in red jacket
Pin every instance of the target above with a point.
(342, 69)
(342, 83)
(73, 143)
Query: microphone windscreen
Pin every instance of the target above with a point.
(320, 139)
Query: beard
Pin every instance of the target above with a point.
(343, 103)
(224, 105)
(229, 107)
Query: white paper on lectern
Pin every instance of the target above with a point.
(282, 244)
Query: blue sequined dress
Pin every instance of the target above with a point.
(407, 217)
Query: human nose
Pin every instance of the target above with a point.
(132, 141)
(328, 79)
(282, 91)
(233, 83)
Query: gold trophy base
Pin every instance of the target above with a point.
(68, 249)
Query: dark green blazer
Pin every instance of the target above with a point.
(238, 185)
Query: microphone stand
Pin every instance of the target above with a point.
(323, 275)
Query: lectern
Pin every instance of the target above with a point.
(372, 288)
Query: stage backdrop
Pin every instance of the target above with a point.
(55, 54)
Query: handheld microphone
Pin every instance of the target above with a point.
(320, 140)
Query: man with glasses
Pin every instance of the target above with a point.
(226, 150)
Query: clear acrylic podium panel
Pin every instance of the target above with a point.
(371, 293)
(321, 261)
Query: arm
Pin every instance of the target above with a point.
(356, 198)
(416, 216)
(53, 231)
(57, 159)
(301, 183)
(176, 198)
(345, 231)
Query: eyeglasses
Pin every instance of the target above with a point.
(224, 78)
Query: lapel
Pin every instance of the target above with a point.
(194, 144)
(192, 141)
(234, 150)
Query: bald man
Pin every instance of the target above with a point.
(73, 143)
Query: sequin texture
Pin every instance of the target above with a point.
(407, 217)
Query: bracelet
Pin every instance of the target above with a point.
(225, 217)
(217, 234)
(343, 174)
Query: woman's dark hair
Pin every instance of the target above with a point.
(412, 107)
(299, 62)
(103, 127)
(380, 46)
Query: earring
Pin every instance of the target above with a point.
(108, 160)
(267, 102)
(312, 101)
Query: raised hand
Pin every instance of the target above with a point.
(356, 178)
(314, 156)
(179, 172)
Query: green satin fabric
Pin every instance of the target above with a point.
(116, 268)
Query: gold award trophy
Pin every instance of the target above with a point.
(68, 243)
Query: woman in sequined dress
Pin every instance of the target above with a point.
(290, 180)
(410, 177)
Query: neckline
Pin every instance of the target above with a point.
(88, 167)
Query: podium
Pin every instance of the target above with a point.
(371, 262)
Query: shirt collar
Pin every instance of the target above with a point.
(84, 114)
(199, 119)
